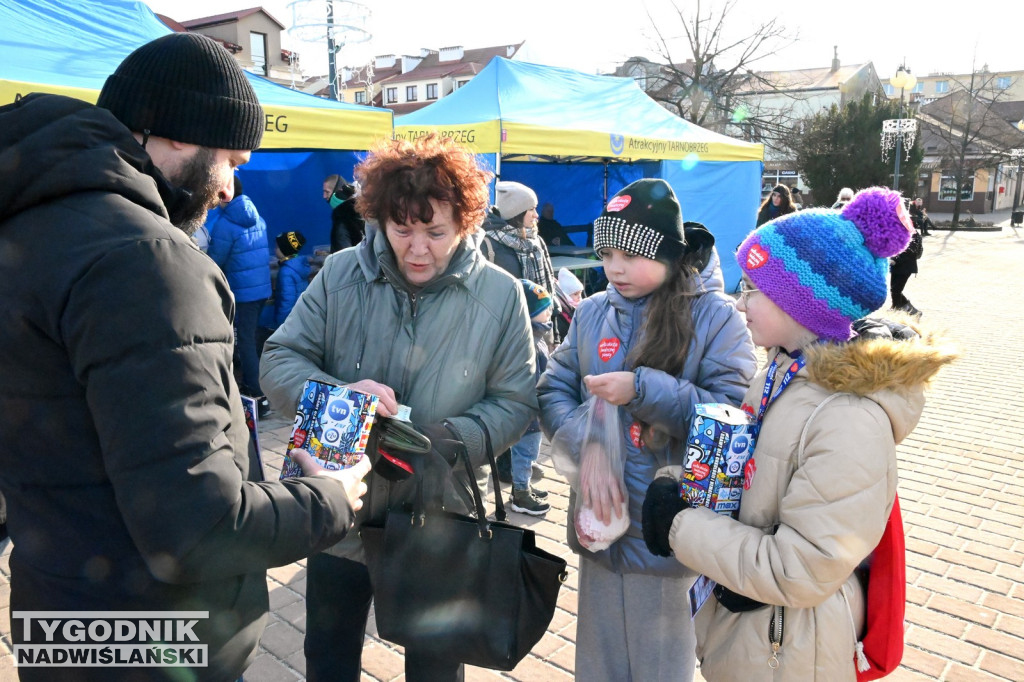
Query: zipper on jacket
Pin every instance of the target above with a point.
(775, 635)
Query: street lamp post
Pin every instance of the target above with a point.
(1019, 155)
(900, 127)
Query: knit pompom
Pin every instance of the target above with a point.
(879, 215)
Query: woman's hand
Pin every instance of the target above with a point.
(351, 478)
(388, 405)
(601, 487)
(618, 388)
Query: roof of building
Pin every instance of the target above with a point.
(229, 17)
(950, 112)
(802, 79)
(171, 23)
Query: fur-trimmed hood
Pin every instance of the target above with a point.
(893, 368)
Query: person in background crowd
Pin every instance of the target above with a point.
(842, 392)
(569, 292)
(292, 274)
(238, 244)
(797, 198)
(904, 264)
(776, 204)
(115, 358)
(661, 338)
(920, 218)
(845, 195)
(524, 498)
(551, 231)
(413, 314)
(347, 226)
(511, 240)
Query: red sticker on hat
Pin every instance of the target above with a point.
(756, 257)
(748, 473)
(700, 471)
(634, 435)
(606, 348)
(619, 203)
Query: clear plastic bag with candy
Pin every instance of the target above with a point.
(589, 451)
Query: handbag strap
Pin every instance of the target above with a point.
(499, 505)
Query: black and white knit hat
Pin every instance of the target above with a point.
(644, 218)
(187, 88)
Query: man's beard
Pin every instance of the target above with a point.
(197, 176)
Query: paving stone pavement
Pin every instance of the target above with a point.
(960, 486)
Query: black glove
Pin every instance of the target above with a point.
(444, 442)
(661, 505)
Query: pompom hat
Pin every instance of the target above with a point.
(645, 219)
(537, 298)
(828, 268)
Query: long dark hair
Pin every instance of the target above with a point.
(667, 329)
(785, 206)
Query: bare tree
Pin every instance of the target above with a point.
(705, 67)
(970, 134)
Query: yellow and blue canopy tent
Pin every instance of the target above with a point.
(576, 139)
(69, 48)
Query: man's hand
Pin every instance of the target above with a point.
(388, 404)
(351, 478)
(601, 488)
(618, 388)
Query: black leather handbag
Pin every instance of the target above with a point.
(465, 589)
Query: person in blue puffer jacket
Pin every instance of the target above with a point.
(663, 337)
(238, 244)
(292, 274)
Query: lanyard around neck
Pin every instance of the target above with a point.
(767, 397)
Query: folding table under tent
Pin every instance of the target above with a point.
(576, 139)
(70, 48)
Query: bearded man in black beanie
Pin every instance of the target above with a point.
(125, 460)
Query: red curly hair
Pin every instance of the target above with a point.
(399, 178)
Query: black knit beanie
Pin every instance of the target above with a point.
(290, 242)
(645, 219)
(186, 87)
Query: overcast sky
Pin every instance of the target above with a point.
(595, 35)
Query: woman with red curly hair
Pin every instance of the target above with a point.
(416, 316)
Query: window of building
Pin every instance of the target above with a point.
(431, 90)
(462, 84)
(890, 90)
(258, 50)
(410, 93)
(947, 189)
(778, 177)
(360, 96)
(941, 87)
(919, 87)
(392, 95)
(1003, 82)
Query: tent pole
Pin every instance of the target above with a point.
(605, 202)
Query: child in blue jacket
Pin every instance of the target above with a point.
(292, 274)
(662, 337)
